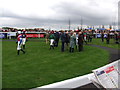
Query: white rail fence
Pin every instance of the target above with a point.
(75, 82)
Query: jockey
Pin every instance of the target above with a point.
(19, 42)
(24, 38)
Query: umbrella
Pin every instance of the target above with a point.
(102, 29)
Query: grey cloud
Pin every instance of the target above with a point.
(64, 12)
(75, 12)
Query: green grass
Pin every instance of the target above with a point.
(0, 64)
(97, 41)
(41, 66)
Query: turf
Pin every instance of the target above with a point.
(0, 64)
(41, 66)
(97, 41)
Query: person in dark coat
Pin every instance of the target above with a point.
(57, 36)
(102, 36)
(90, 36)
(108, 38)
(80, 41)
(116, 37)
(119, 37)
(67, 40)
(63, 41)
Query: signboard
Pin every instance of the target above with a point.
(105, 35)
(108, 75)
(35, 35)
(104, 80)
(11, 34)
(98, 35)
(2, 35)
(112, 73)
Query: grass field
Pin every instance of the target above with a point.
(41, 66)
(0, 64)
(97, 41)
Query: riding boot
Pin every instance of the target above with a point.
(70, 49)
(18, 52)
(23, 46)
(52, 46)
(23, 51)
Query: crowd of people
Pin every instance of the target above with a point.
(108, 36)
(75, 39)
(69, 39)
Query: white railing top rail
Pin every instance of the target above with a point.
(70, 83)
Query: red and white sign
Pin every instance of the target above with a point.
(35, 35)
(109, 69)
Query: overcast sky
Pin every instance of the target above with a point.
(55, 14)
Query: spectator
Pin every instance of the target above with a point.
(67, 40)
(63, 41)
(76, 44)
(108, 38)
(80, 42)
(47, 37)
(90, 36)
(119, 37)
(116, 37)
(72, 42)
(57, 36)
(102, 36)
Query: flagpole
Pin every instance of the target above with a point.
(81, 23)
(69, 24)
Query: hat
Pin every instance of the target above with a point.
(52, 32)
(19, 32)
